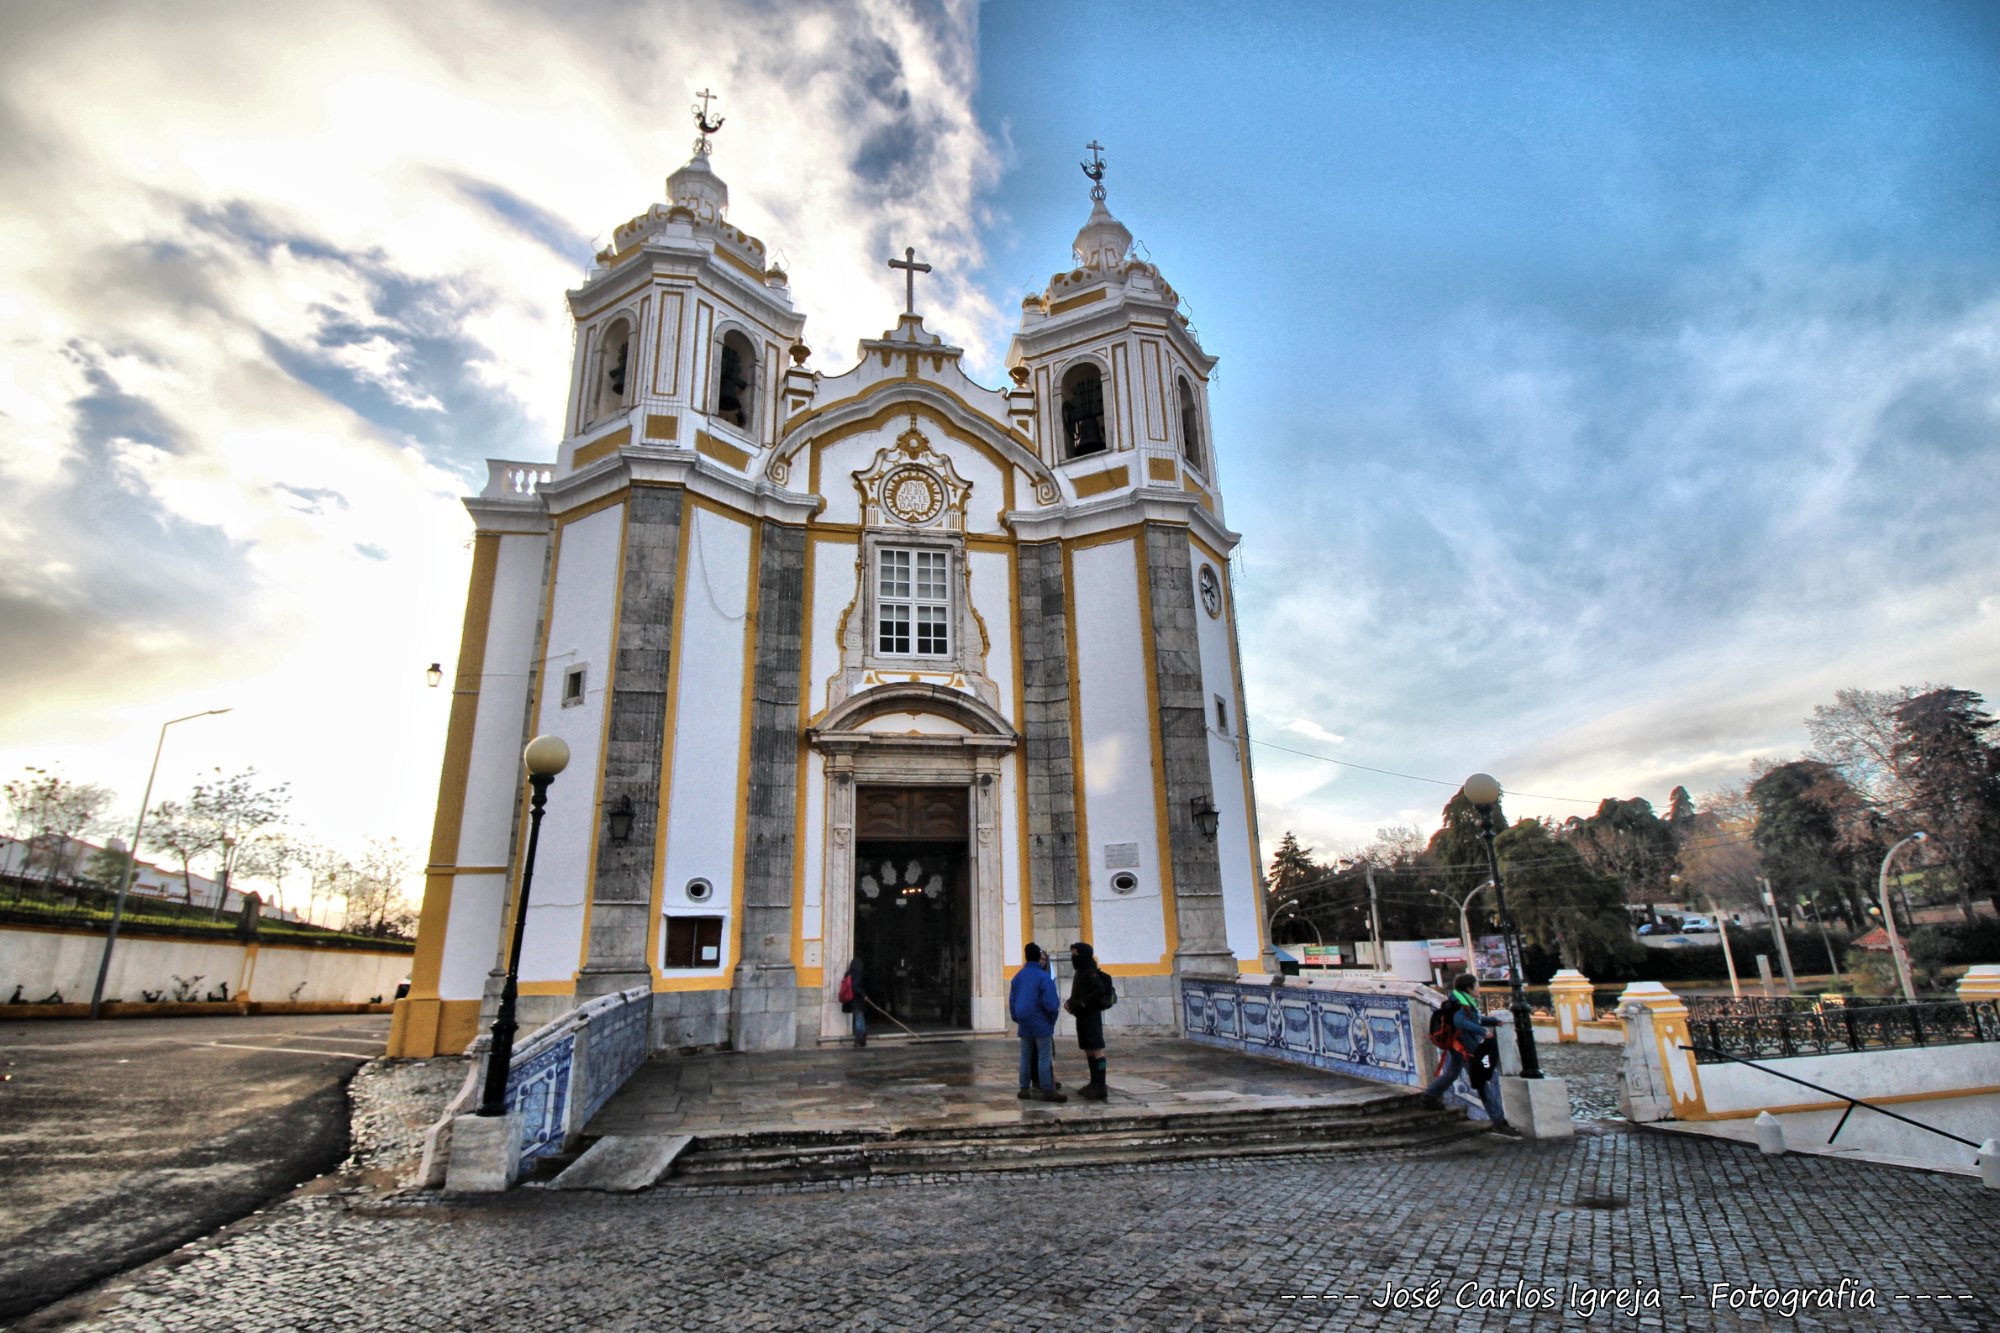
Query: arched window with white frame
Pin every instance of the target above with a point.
(735, 381)
(611, 384)
(1083, 410)
(1190, 426)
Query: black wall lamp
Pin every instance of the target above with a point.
(1206, 818)
(434, 673)
(620, 819)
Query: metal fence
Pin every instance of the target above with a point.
(1829, 1029)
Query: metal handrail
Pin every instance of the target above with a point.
(1852, 1102)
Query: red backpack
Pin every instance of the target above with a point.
(1442, 1033)
(847, 989)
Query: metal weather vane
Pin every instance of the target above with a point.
(702, 147)
(1095, 170)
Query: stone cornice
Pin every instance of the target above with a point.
(1120, 511)
(658, 465)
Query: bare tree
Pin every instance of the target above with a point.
(175, 829)
(1857, 734)
(272, 857)
(238, 809)
(51, 815)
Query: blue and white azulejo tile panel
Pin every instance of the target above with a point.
(1365, 1035)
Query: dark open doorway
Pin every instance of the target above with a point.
(913, 904)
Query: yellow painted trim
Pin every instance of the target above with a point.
(736, 261)
(662, 427)
(1020, 721)
(434, 922)
(1161, 969)
(722, 452)
(1898, 1099)
(602, 447)
(450, 871)
(658, 902)
(547, 987)
(884, 415)
(1169, 907)
(540, 660)
(1161, 469)
(663, 983)
(1097, 483)
(803, 774)
(1257, 886)
(1207, 500)
(603, 744)
(586, 510)
(1083, 857)
(1072, 302)
(1130, 532)
(753, 613)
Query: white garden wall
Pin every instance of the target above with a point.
(42, 961)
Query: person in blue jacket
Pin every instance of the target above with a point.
(1469, 1031)
(1033, 1003)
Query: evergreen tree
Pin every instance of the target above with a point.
(1560, 902)
(1953, 777)
(1680, 808)
(1292, 865)
(1627, 841)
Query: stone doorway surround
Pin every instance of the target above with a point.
(969, 756)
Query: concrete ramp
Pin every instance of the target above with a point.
(622, 1164)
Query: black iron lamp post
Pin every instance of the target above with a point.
(545, 757)
(1483, 790)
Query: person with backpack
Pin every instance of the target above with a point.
(854, 999)
(1463, 1034)
(1091, 992)
(1032, 1002)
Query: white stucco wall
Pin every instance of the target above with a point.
(579, 634)
(43, 962)
(1870, 1075)
(1235, 850)
(993, 597)
(493, 774)
(704, 794)
(1118, 782)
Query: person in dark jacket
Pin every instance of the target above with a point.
(858, 1006)
(1032, 1002)
(1469, 1034)
(1088, 995)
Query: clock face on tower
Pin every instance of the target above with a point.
(1211, 591)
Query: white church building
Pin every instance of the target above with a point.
(886, 662)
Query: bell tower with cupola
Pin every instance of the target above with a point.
(1120, 385)
(681, 330)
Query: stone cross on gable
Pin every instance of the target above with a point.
(908, 263)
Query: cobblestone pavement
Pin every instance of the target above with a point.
(1511, 1234)
(1592, 1073)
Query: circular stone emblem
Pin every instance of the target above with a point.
(913, 495)
(1211, 591)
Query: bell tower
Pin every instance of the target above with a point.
(1119, 384)
(681, 330)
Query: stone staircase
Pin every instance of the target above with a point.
(1041, 1142)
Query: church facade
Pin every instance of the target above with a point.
(885, 663)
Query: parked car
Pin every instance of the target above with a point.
(1698, 925)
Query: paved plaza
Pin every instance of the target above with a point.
(953, 1082)
(1486, 1235)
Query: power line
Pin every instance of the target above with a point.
(1412, 777)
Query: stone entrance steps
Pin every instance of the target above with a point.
(1040, 1142)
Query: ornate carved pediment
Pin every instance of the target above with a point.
(912, 485)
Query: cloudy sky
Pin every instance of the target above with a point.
(1602, 385)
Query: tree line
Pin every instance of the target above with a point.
(1811, 831)
(233, 827)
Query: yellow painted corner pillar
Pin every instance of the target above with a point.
(1662, 1037)
(1571, 996)
(1980, 983)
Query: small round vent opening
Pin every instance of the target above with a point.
(1124, 882)
(699, 890)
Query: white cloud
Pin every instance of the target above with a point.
(275, 279)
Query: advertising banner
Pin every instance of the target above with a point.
(1447, 953)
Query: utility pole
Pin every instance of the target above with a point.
(1778, 934)
(1374, 917)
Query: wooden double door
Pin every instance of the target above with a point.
(913, 904)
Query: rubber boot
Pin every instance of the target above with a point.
(1096, 1091)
